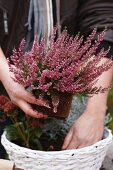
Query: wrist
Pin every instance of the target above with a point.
(97, 112)
(97, 103)
(97, 108)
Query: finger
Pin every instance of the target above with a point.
(84, 145)
(73, 143)
(29, 111)
(67, 140)
(89, 141)
(28, 97)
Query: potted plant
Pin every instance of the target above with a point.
(61, 69)
(54, 73)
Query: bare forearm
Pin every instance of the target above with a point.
(4, 68)
(99, 101)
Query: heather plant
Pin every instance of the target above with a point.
(67, 64)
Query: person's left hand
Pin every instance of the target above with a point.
(86, 130)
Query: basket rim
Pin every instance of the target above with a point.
(81, 150)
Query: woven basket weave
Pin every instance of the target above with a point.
(88, 158)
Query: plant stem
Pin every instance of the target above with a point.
(14, 121)
(27, 124)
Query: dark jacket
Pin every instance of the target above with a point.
(17, 11)
(75, 15)
(16, 17)
(96, 13)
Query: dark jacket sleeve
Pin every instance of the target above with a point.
(2, 32)
(96, 13)
(99, 14)
(6, 9)
(7, 18)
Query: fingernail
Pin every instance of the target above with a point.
(47, 105)
(63, 148)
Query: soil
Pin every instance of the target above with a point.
(51, 145)
(47, 143)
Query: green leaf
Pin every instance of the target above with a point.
(111, 94)
(36, 133)
(12, 133)
(36, 144)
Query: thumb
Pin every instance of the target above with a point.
(67, 139)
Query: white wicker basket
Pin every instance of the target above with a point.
(88, 158)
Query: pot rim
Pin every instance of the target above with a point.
(107, 139)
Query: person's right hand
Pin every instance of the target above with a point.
(22, 98)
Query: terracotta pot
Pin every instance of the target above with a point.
(63, 109)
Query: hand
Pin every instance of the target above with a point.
(22, 98)
(17, 92)
(85, 131)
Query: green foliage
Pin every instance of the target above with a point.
(25, 136)
(110, 108)
(110, 122)
(12, 133)
(110, 94)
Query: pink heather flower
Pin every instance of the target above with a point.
(64, 65)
